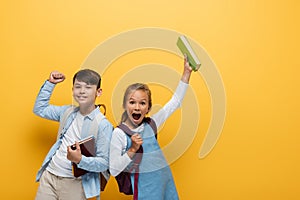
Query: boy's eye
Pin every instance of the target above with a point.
(143, 103)
(131, 102)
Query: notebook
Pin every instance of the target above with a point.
(185, 48)
(87, 147)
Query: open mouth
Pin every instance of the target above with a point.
(136, 116)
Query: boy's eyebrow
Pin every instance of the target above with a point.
(82, 83)
(77, 84)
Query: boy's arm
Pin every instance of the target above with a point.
(56, 77)
(99, 163)
(41, 106)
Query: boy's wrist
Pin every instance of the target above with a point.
(50, 81)
(77, 161)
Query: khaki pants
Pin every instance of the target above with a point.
(53, 187)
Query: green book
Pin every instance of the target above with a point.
(185, 48)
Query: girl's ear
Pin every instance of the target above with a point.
(149, 109)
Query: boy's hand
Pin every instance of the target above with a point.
(56, 77)
(186, 71)
(74, 155)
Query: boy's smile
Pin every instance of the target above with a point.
(85, 94)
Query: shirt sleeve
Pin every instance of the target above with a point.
(174, 103)
(118, 157)
(42, 107)
(99, 163)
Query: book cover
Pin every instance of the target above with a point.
(87, 147)
(185, 48)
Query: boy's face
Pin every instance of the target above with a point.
(85, 94)
(137, 106)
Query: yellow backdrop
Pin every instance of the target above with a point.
(254, 44)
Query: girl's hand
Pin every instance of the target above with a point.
(136, 142)
(187, 70)
(56, 77)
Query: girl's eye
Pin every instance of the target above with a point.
(143, 103)
(131, 102)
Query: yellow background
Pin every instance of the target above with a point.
(255, 45)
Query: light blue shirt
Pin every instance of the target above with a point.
(100, 163)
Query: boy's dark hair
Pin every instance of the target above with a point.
(88, 76)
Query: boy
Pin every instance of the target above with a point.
(55, 176)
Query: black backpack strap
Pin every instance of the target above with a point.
(139, 152)
(126, 130)
(123, 179)
(148, 120)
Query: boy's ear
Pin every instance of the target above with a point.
(99, 92)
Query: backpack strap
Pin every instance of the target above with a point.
(63, 120)
(104, 176)
(94, 125)
(136, 161)
(129, 132)
(139, 154)
(152, 123)
(148, 120)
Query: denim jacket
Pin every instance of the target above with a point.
(100, 163)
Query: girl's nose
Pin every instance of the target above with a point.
(137, 107)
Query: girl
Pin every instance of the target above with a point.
(155, 179)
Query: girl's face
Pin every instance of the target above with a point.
(85, 94)
(137, 106)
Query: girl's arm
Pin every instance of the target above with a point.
(175, 102)
(187, 70)
(118, 157)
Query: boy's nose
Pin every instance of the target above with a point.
(82, 90)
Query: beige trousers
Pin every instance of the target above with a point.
(53, 187)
